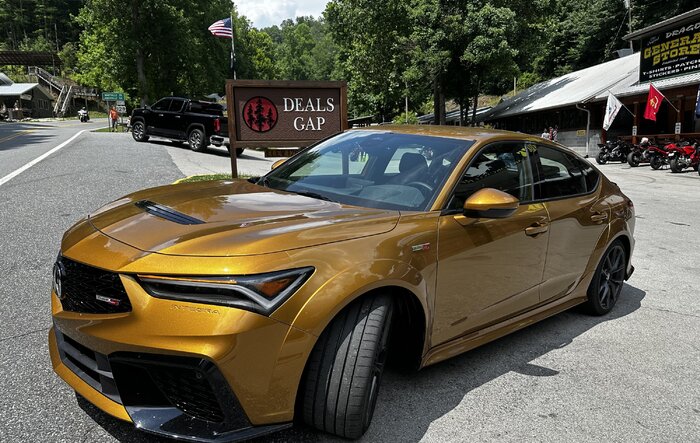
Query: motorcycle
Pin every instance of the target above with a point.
(613, 152)
(683, 155)
(639, 153)
(658, 156)
(83, 115)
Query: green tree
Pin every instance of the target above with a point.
(151, 48)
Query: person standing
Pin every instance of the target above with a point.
(555, 133)
(550, 134)
(113, 117)
(545, 133)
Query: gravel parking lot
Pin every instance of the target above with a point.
(632, 376)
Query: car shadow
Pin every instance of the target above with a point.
(410, 402)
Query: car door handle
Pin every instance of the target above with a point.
(599, 217)
(177, 116)
(160, 115)
(537, 229)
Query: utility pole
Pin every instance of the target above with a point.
(406, 83)
(628, 3)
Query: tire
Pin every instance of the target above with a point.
(655, 162)
(196, 140)
(675, 166)
(600, 159)
(633, 159)
(608, 279)
(239, 151)
(138, 131)
(344, 370)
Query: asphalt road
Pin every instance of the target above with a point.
(632, 376)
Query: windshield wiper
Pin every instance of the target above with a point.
(312, 195)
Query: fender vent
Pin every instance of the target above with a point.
(167, 213)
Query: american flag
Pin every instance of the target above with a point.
(222, 28)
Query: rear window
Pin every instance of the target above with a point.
(206, 108)
(562, 175)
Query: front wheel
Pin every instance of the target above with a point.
(607, 281)
(633, 159)
(138, 131)
(196, 140)
(601, 159)
(675, 165)
(344, 370)
(655, 162)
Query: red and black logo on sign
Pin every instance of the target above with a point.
(260, 114)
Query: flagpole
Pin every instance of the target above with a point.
(233, 51)
(669, 102)
(623, 105)
(662, 95)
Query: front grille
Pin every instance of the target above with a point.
(92, 367)
(83, 286)
(188, 390)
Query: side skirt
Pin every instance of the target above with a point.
(490, 333)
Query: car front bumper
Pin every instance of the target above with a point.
(182, 370)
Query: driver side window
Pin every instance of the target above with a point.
(501, 166)
(162, 105)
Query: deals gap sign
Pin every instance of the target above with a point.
(267, 113)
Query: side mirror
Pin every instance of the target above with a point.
(277, 163)
(490, 203)
(148, 107)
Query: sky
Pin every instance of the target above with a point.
(264, 13)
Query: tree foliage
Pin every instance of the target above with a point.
(427, 50)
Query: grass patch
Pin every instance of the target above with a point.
(119, 129)
(210, 177)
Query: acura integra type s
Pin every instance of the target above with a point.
(219, 311)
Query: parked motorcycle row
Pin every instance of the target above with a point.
(677, 155)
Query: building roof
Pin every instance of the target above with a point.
(630, 85)
(567, 90)
(16, 89)
(664, 25)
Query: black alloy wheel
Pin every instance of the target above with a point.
(607, 282)
(138, 131)
(655, 162)
(196, 140)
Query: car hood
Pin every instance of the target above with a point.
(233, 218)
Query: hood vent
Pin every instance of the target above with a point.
(167, 213)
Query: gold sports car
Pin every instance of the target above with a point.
(220, 311)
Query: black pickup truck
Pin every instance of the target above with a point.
(199, 123)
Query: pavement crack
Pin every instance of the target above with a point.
(87, 433)
(684, 314)
(22, 335)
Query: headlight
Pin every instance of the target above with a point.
(261, 293)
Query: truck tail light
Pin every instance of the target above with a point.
(217, 125)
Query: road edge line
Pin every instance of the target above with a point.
(17, 172)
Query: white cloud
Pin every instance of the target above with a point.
(265, 13)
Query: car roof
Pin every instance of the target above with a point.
(459, 132)
(476, 134)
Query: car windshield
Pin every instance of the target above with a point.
(376, 169)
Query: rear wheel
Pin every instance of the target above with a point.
(607, 281)
(633, 159)
(138, 131)
(655, 162)
(342, 377)
(601, 159)
(196, 140)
